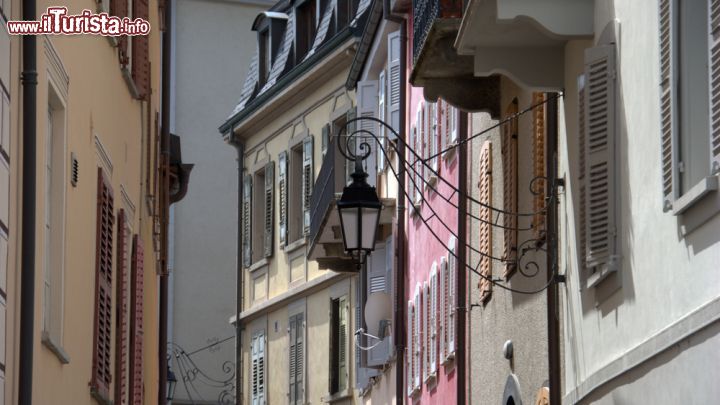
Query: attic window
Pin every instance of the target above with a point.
(305, 27)
(345, 12)
(265, 57)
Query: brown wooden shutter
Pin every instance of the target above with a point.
(269, 208)
(668, 123)
(714, 52)
(510, 185)
(538, 153)
(119, 8)
(121, 311)
(101, 375)
(140, 53)
(136, 323)
(485, 185)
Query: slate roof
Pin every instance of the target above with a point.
(283, 63)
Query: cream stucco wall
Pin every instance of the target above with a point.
(667, 283)
(98, 106)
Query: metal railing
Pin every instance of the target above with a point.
(425, 13)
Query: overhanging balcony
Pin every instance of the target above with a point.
(326, 244)
(438, 68)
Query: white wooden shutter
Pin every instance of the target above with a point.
(452, 299)
(714, 69)
(453, 114)
(600, 156)
(433, 133)
(247, 220)
(426, 141)
(382, 133)
(410, 352)
(417, 343)
(342, 341)
(394, 85)
(367, 107)
(261, 369)
(417, 156)
(282, 188)
(433, 318)
(582, 229)
(426, 330)
(378, 283)
(443, 309)
(668, 111)
(254, 377)
(269, 207)
(350, 143)
(308, 181)
(292, 367)
(325, 139)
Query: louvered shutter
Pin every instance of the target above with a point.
(382, 133)
(261, 370)
(300, 359)
(308, 181)
(433, 329)
(452, 299)
(600, 157)
(378, 282)
(409, 344)
(269, 208)
(292, 366)
(136, 322)
(101, 374)
(510, 183)
(247, 220)
(121, 311)
(668, 110)
(433, 133)
(538, 161)
(282, 188)
(444, 124)
(426, 330)
(425, 138)
(394, 87)
(714, 52)
(582, 228)
(140, 53)
(417, 346)
(254, 372)
(342, 342)
(119, 8)
(443, 310)
(453, 114)
(325, 139)
(485, 186)
(367, 106)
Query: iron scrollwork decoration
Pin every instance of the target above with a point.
(356, 148)
(192, 376)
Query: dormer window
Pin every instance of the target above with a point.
(305, 28)
(346, 10)
(264, 57)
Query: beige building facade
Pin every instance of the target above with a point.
(95, 337)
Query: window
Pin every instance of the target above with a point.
(265, 57)
(689, 96)
(339, 345)
(485, 197)
(296, 331)
(257, 213)
(301, 178)
(367, 107)
(345, 13)
(450, 298)
(417, 342)
(305, 26)
(54, 226)
(432, 329)
(101, 375)
(257, 372)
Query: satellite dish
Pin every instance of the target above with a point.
(378, 312)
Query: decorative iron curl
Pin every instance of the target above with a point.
(190, 374)
(357, 133)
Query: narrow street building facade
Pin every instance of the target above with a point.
(296, 315)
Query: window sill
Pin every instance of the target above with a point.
(449, 361)
(295, 245)
(450, 154)
(100, 397)
(258, 265)
(695, 194)
(338, 396)
(54, 347)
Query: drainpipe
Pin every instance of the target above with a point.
(239, 146)
(552, 291)
(460, 359)
(165, 200)
(400, 236)
(27, 283)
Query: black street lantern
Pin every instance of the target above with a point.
(359, 209)
(171, 381)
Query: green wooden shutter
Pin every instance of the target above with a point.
(282, 188)
(601, 226)
(668, 111)
(269, 208)
(308, 181)
(246, 218)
